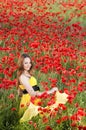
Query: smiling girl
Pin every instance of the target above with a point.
(27, 85)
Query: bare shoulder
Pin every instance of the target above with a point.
(22, 77)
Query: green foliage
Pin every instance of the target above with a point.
(8, 109)
(9, 106)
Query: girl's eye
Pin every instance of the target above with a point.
(25, 62)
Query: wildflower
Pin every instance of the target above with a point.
(11, 96)
(73, 124)
(13, 109)
(35, 125)
(30, 122)
(58, 121)
(22, 105)
(45, 119)
(48, 128)
(62, 106)
(34, 44)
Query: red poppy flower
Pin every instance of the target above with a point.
(11, 96)
(13, 109)
(48, 128)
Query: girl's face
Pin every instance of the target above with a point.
(27, 63)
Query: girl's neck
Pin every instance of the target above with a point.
(26, 73)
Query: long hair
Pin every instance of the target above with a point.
(21, 68)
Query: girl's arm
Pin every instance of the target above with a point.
(24, 81)
(30, 90)
(48, 92)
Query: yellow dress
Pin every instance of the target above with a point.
(29, 110)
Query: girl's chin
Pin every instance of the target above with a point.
(28, 69)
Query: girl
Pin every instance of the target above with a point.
(27, 88)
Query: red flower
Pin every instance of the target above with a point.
(13, 109)
(11, 96)
(58, 121)
(34, 44)
(45, 120)
(22, 105)
(71, 98)
(48, 128)
(81, 112)
(75, 117)
(62, 106)
(82, 127)
(64, 118)
(63, 79)
(73, 124)
(30, 122)
(35, 125)
(51, 102)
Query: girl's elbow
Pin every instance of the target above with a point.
(32, 93)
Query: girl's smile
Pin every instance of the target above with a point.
(27, 63)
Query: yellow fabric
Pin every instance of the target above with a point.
(32, 82)
(24, 103)
(32, 109)
(60, 98)
(29, 109)
(25, 99)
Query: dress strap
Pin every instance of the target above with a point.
(36, 88)
(24, 91)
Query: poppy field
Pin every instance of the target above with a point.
(53, 33)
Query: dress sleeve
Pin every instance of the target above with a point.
(24, 80)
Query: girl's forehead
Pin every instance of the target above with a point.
(27, 59)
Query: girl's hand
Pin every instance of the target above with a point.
(52, 90)
(55, 89)
(47, 92)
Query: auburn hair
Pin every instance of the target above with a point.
(20, 68)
